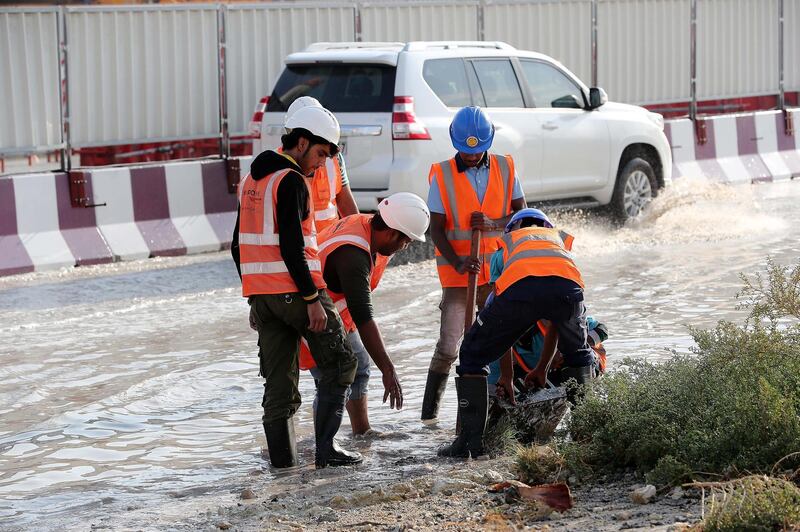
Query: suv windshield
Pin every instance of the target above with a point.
(350, 88)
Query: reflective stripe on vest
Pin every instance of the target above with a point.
(354, 230)
(327, 183)
(460, 200)
(536, 252)
(262, 266)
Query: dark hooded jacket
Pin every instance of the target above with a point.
(290, 211)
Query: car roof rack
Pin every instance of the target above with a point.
(413, 46)
(322, 46)
(416, 46)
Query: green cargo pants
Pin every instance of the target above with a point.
(281, 319)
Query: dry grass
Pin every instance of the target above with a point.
(753, 502)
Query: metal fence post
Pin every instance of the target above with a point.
(781, 51)
(594, 43)
(224, 136)
(63, 88)
(357, 21)
(693, 61)
(481, 16)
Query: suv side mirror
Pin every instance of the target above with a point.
(570, 101)
(597, 97)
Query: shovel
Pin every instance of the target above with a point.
(537, 413)
(472, 281)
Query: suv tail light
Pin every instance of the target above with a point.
(405, 124)
(258, 115)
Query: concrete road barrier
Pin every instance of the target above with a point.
(138, 212)
(745, 148)
(186, 207)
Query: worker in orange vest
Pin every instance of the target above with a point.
(354, 253)
(330, 188)
(473, 190)
(275, 250)
(539, 281)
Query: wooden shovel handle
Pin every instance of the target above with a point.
(472, 280)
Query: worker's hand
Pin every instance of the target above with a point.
(317, 319)
(479, 220)
(505, 389)
(469, 265)
(536, 379)
(253, 320)
(392, 389)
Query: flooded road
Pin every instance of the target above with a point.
(133, 388)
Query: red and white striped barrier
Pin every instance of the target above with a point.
(139, 212)
(39, 228)
(745, 148)
(186, 207)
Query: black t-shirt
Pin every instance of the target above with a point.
(347, 271)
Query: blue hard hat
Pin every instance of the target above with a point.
(528, 213)
(471, 131)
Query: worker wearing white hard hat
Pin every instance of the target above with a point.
(330, 188)
(354, 253)
(275, 249)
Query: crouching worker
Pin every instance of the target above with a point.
(354, 253)
(540, 281)
(275, 248)
(528, 349)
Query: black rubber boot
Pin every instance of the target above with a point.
(473, 406)
(281, 442)
(342, 457)
(583, 375)
(434, 389)
(327, 420)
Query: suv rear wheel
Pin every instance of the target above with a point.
(636, 187)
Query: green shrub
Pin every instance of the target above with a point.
(731, 406)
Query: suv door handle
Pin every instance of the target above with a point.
(550, 126)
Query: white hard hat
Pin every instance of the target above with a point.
(318, 120)
(407, 213)
(300, 103)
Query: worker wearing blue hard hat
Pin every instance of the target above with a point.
(475, 189)
(535, 281)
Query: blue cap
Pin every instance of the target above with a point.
(528, 213)
(471, 131)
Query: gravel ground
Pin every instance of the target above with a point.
(419, 494)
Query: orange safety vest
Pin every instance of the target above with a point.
(460, 201)
(263, 269)
(325, 186)
(354, 230)
(518, 357)
(602, 357)
(599, 350)
(536, 252)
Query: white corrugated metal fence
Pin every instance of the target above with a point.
(261, 36)
(150, 73)
(142, 74)
(30, 114)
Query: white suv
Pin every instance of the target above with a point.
(395, 102)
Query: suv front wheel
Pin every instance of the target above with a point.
(636, 187)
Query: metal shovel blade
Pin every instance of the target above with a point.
(537, 414)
